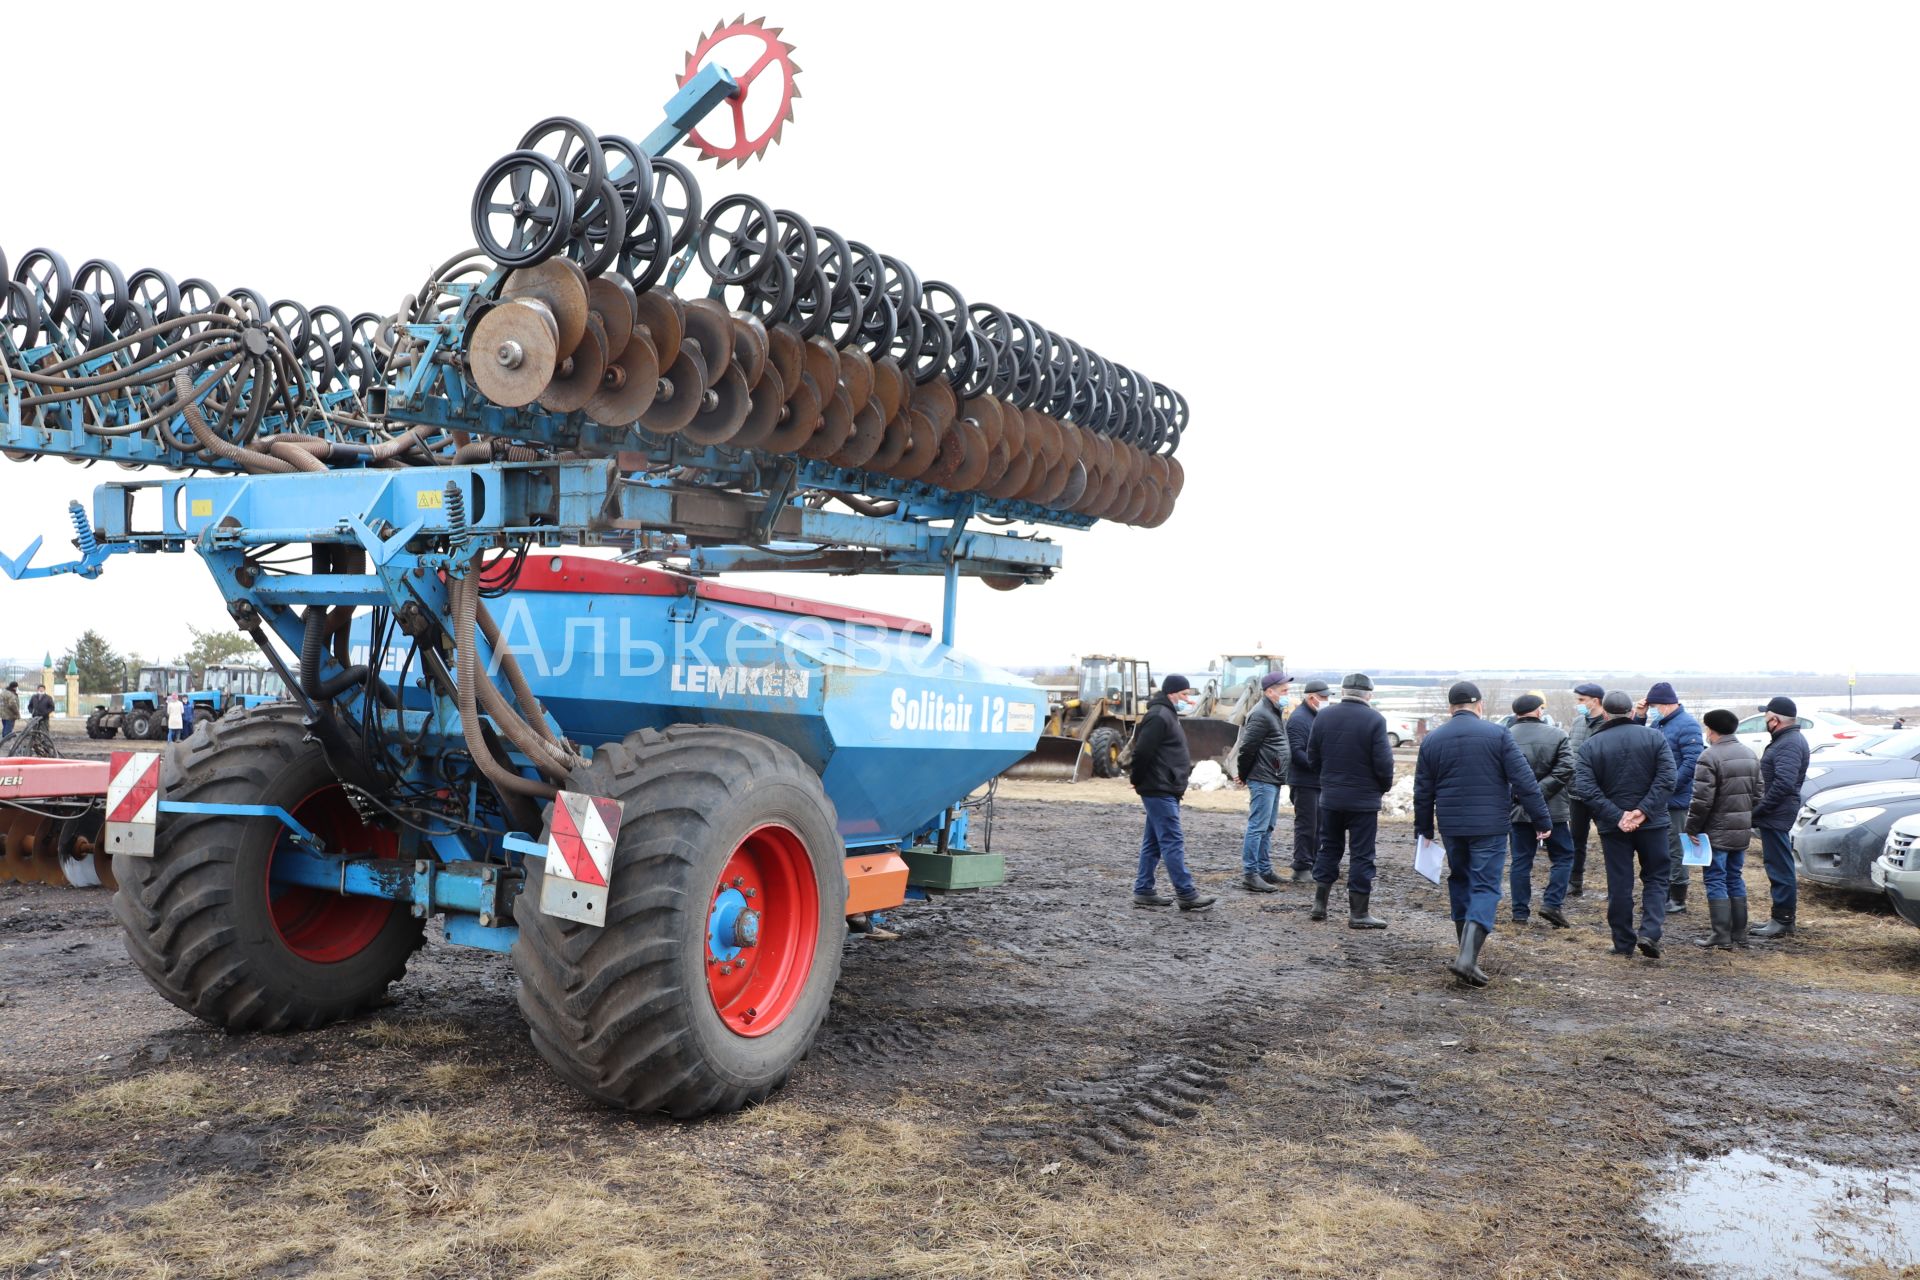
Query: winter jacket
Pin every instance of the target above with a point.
(1549, 754)
(1685, 740)
(1624, 766)
(1468, 775)
(40, 704)
(1300, 774)
(1261, 754)
(9, 705)
(1783, 770)
(1580, 728)
(1161, 762)
(1348, 749)
(1726, 786)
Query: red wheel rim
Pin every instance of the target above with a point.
(322, 927)
(755, 987)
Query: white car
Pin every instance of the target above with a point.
(1400, 729)
(1822, 729)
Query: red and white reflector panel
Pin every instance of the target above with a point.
(133, 802)
(581, 833)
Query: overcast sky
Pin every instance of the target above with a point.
(1515, 334)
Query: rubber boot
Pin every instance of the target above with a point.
(1466, 965)
(1677, 899)
(1575, 888)
(1781, 926)
(1357, 914)
(1302, 875)
(1720, 917)
(1321, 892)
(1252, 883)
(1459, 928)
(1738, 927)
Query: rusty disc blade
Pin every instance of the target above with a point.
(723, 409)
(889, 387)
(1075, 488)
(937, 401)
(1069, 442)
(1026, 475)
(578, 379)
(893, 445)
(985, 410)
(664, 316)
(512, 353)
(1054, 484)
(850, 368)
(978, 456)
(869, 432)
(678, 398)
(1005, 473)
(948, 461)
(1163, 511)
(768, 400)
(30, 856)
(788, 353)
(749, 346)
(1048, 441)
(711, 329)
(1177, 473)
(562, 285)
(629, 385)
(923, 447)
(836, 427)
(611, 297)
(800, 416)
(12, 865)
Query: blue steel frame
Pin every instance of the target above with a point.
(614, 495)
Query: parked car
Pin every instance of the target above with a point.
(1822, 729)
(1895, 756)
(1399, 729)
(1840, 832)
(1897, 870)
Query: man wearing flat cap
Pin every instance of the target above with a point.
(1661, 709)
(1783, 771)
(1587, 717)
(1348, 749)
(1261, 757)
(1469, 775)
(1549, 756)
(1303, 784)
(1624, 775)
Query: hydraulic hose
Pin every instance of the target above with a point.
(467, 678)
(248, 459)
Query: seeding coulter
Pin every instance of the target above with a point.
(666, 795)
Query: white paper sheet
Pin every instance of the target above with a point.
(1695, 851)
(1429, 858)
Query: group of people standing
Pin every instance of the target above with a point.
(1643, 772)
(38, 706)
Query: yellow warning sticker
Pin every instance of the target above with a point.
(202, 506)
(428, 499)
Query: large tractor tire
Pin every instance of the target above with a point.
(659, 1009)
(140, 723)
(97, 726)
(205, 923)
(1104, 744)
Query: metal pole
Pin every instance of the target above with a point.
(950, 603)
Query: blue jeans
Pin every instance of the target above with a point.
(1777, 852)
(1622, 849)
(1355, 832)
(1474, 864)
(1559, 872)
(6, 728)
(1723, 876)
(1163, 842)
(1256, 848)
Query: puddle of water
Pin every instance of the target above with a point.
(1750, 1215)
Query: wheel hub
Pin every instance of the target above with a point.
(762, 925)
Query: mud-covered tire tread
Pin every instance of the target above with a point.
(1105, 743)
(177, 909)
(605, 1005)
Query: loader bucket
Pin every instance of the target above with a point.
(1209, 739)
(1053, 759)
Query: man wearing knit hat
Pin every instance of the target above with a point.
(1726, 784)
(1662, 710)
(1160, 769)
(1348, 749)
(1624, 774)
(1587, 717)
(1551, 761)
(1468, 775)
(1303, 784)
(1261, 758)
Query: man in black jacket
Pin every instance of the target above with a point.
(1550, 758)
(1348, 749)
(1587, 717)
(1783, 771)
(1261, 759)
(1303, 783)
(1726, 784)
(1624, 775)
(40, 704)
(1161, 767)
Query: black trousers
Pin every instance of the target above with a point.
(1356, 829)
(1622, 849)
(1306, 825)
(1581, 821)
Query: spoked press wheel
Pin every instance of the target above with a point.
(723, 931)
(205, 923)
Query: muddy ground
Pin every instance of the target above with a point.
(1034, 1080)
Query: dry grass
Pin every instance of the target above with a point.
(427, 1033)
(159, 1095)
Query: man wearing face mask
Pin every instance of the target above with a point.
(1303, 781)
(1161, 767)
(1783, 770)
(1261, 756)
(1587, 717)
(1661, 710)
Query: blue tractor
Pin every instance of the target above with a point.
(141, 711)
(490, 547)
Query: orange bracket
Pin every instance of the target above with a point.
(875, 881)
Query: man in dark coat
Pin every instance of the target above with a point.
(1662, 710)
(1624, 775)
(1783, 771)
(40, 704)
(1261, 757)
(1160, 769)
(1348, 749)
(1726, 786)
(1469, 774)
(1587, 717)
(1303, 784)
(1550, 758)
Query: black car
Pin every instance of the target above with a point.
(1895, 756)
(1842, 830)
